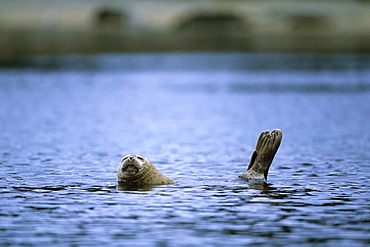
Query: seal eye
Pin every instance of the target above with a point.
(141, 158)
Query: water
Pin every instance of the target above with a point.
(66, 121)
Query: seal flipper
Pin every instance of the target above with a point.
(258, 148)
(263, 155)
(253, 158)
(277, 136)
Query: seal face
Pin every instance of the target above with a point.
(266, 148)
(136, 169)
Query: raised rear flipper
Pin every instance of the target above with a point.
(262, 157)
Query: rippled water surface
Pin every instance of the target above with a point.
(66, 122)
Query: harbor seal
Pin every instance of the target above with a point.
(136, 169)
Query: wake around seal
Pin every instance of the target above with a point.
(136, 169)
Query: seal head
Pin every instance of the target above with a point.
(131, 165)
(136, 169)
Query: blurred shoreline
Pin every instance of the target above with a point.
(58, 27)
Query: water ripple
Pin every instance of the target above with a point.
(64, 127)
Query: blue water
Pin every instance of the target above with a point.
(66, 121)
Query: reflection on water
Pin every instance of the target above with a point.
(139, 187)
(66, 121)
